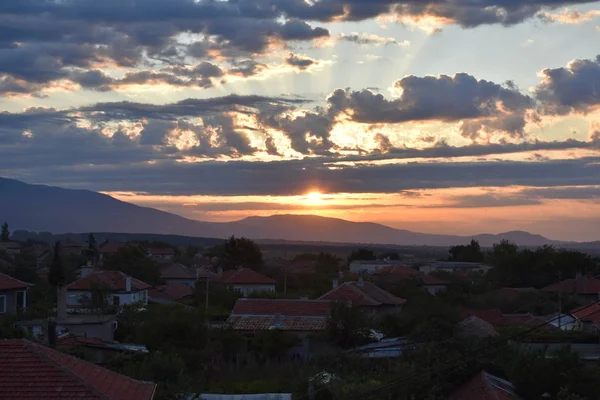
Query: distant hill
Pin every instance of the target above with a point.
(58, 210)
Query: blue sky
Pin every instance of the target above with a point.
(452, 116)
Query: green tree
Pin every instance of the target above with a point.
(273, 344)
(347, 325)
(92, 249)
(240, 252)
(469, 253)
(362, 254)
(56, 274)
(5, 236)
(132, 261)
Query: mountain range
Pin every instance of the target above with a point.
(46, 208)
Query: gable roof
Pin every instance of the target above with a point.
(589, 313)
(304, 308)
(287, 315)
(172, 292)
(162, 251)
(484, 386)
(10, 283)
(477, 327)
(176, 271)
(107, 279)
(30, 370)
(109, 248)
(582, 285)
(245, 276)
(363, 294)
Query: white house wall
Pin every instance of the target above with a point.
(248, 289)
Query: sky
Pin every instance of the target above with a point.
(440, 116)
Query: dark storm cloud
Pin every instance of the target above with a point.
(297, 177)
(299, 61)
(575, 87)
(484, 105)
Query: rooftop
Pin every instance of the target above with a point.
(582, 285)
(176, 271)
(171, 292)
(363, 294)
(107, 280)
(32, 371)
(10, 283)
(245, 276)
(484, 386)
(304, 308)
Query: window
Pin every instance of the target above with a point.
(2, 304)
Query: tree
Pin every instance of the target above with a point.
(469, 253)
(56, 275)
(92, 249)
(132, 261)
(5, 236)
(238, 252)
(361, 254)
(347, 325)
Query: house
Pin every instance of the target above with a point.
(109, 249)
(246, 281)
(33, 371)
(169, 293)
(400, 273)
(178, 274)
(13, 295)
(163, 253)
(587, 318)
(117, 288)
(102, 327)
(452, 267)
(586, 288)
(498, 319)
(484, 386)
(365, 295)
(99, 350)
(474, 326)
(299, 317)
(370, 266)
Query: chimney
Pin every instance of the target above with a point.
(61, 303)
(335, 283)
(361, 281)
(128, 284)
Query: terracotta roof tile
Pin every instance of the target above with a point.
(286, 323)
(245, 276)
(110, 248)
(484, 386)
(304, 308)
(363, 294)
(173, 292)
(474, 326)
(9, 283)
(107, 279)
(32, 371)
(74, 340)
(493, 316)
(583, 285)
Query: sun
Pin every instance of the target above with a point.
(314, 197)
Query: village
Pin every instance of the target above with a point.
(150, 320)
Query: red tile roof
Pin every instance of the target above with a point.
(173, 291)
(493, 316)
(245, 276)
(583, 285)
(176, 271)
(304, 308)
(285, 323)
(74, 340)
(484, 386)
(590, 313)
(302, 267)
(475, 326)
(165, 251)
(32, 371)
(109, 280)
(111, 247)
(363, 294)
(10, 283)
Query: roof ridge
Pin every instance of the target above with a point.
(356, 289)
(35, 348)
